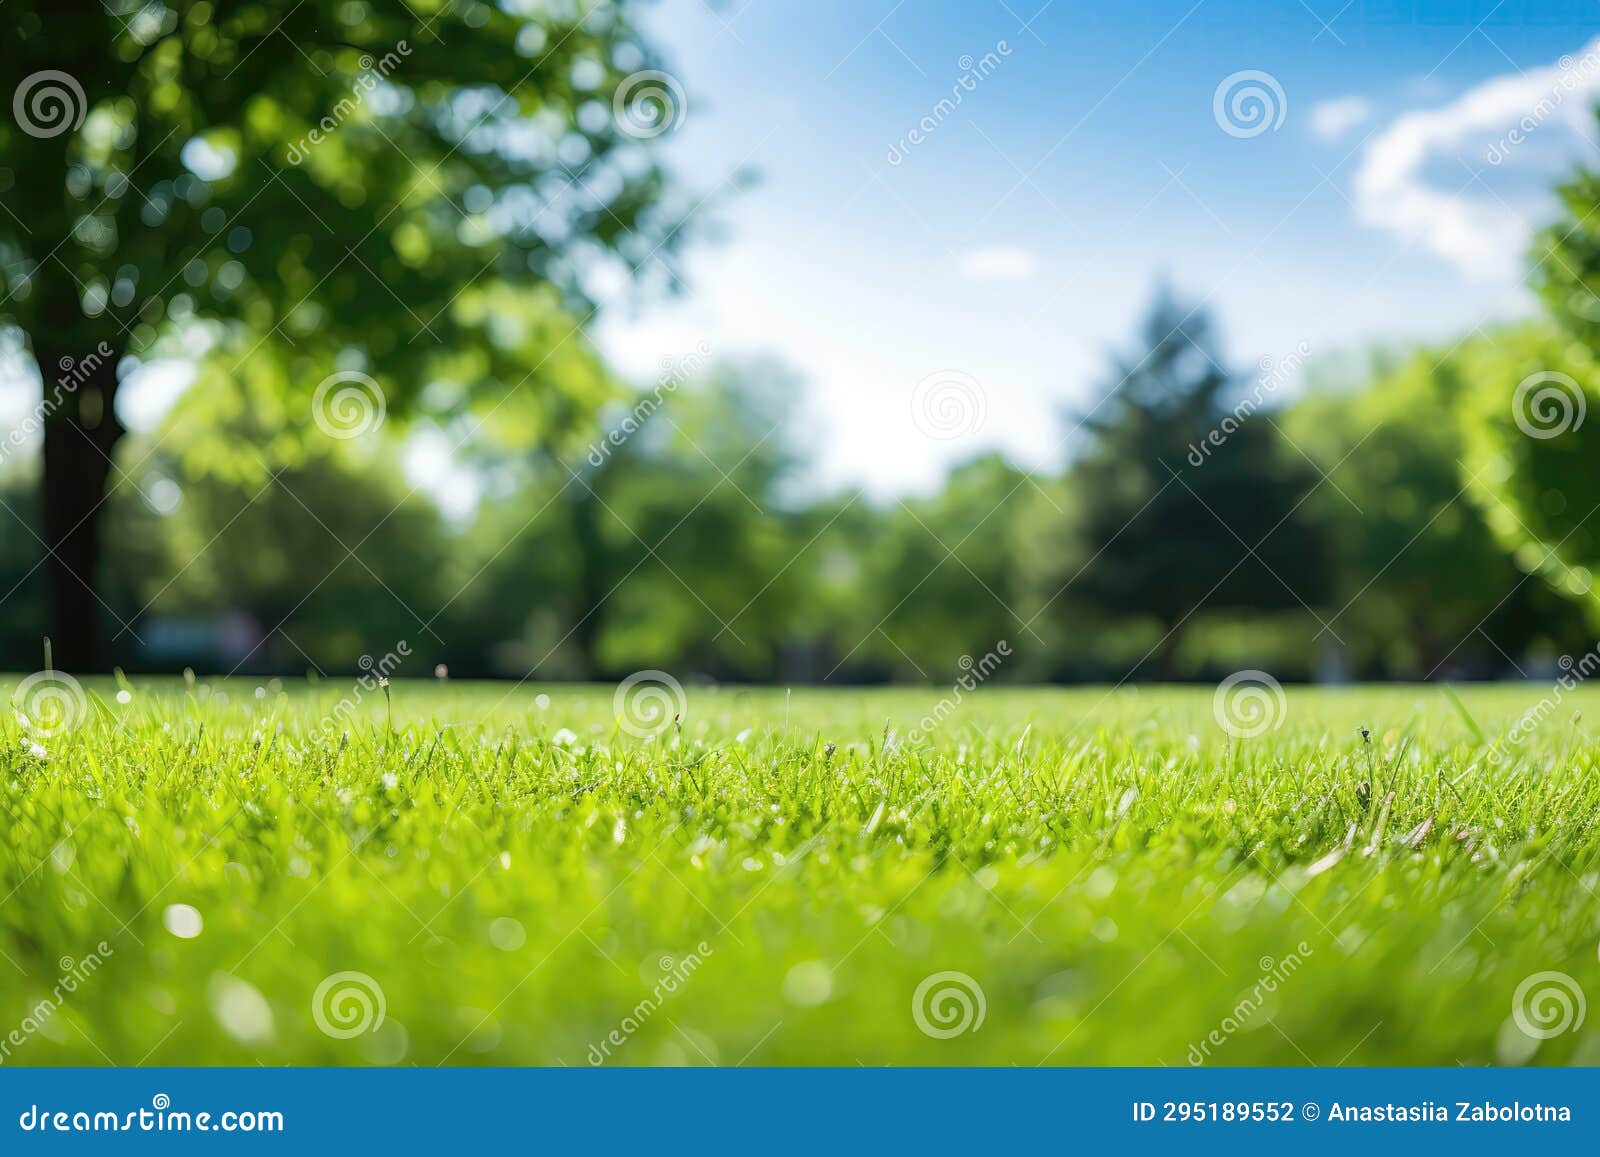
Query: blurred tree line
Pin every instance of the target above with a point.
(1390, 523)
(1426, 514)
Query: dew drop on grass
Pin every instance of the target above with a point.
(808, 983)
(1512, 1046)
(1126, 801)
(240, 1008)
(387, 1044)
(183, 921)
(507, 934)
(1101, 882)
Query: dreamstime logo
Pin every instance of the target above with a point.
(49, 103)
(947, 404)
(374, 677)
(648, 702)
(675, 974)
(976, 672)
(1249, 703)
(348, 404)
(372, 72)
(674, 373)
(1548, 404)
(973, 73)
(1250, 1003)
(1248, 103)
(49, 702)
(73, 974)
(1571, 76)
(74, 372)
(1273, 376)
(1574, 672)
(947, 1004)
(347, 1004)
(648, 104)
(1548, 1004)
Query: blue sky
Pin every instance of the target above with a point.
(1018, 242)
(1406, 152)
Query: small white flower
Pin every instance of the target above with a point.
(564, 738)
(124, 696)
(390, 779)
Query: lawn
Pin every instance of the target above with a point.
(228, 873)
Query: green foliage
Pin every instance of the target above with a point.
(471, 147)
(1424, 578)
(1565, 258)
(666, 543)
(941, 576)
(1529, 452)
(406, 189)
(322, 558)
(512, 890)
(1172, 521)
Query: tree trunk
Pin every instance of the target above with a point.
(592, 574)
(80, 435)
(1167, 655)
(79, 372)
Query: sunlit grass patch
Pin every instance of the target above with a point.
(476, 874)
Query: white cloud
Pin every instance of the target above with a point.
(1331, 119)
(1483, 232)
(1002, 263)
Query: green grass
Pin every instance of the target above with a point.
(1108, 868)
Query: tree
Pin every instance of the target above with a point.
(945, 572)
(687, 551)
(665, 542)
(1529, 451)
(1531, 435)
(1565, 258)
(372, 186)
(1423, 582)
(331, 556)
(1188, 499)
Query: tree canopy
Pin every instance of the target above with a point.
(1191, 500)
(406, 192)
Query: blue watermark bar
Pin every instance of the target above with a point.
(800, 1111)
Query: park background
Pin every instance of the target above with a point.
(843, 346)
(357, 349)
